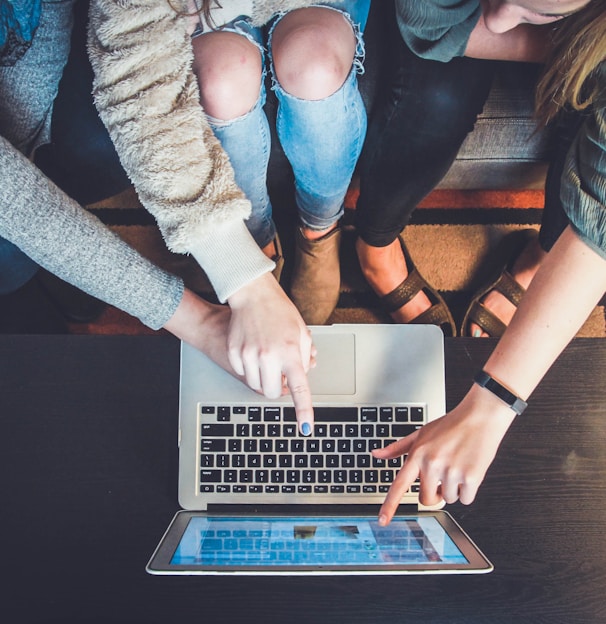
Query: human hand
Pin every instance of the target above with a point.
(450, 455)
(204, 326)
(270, 345)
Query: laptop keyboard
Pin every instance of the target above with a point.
(257, 450)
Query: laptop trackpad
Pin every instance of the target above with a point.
(335, 372)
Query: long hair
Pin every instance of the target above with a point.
(571, 78)
(205, 7)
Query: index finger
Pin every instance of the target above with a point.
(404, 479)
(298, 384)
(397, 448)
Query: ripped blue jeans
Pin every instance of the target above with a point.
(322, 139)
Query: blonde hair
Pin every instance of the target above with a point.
(571, 75)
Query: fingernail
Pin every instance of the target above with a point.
(306, 429)
(477, 333)
(383, 520)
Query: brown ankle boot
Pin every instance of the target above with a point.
(316, 276)
(278, 259)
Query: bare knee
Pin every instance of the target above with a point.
(229, 72)
(313, 51)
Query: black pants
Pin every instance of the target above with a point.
(425, 114)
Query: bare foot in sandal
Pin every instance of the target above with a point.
(385, 269)
(523, 270)
(402, 290)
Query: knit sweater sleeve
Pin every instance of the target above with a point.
(437, 29)
(148, 98)
(67, 240)
(583, 190)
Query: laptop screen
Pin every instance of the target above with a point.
(313, 541)
(301, 542)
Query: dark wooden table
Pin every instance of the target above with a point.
(88, 462)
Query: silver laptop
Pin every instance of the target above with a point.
(245, 471)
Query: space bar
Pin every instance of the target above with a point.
(326, 414)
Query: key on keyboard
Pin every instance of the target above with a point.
(258, 449)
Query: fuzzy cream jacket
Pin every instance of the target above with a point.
(148, 98)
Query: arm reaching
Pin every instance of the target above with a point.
(452, 454)
(245, 344)
(67, 240)
(148, 98)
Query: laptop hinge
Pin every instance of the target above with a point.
(286, 509)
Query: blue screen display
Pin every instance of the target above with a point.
(313, 541)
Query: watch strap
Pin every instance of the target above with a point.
(484, 380)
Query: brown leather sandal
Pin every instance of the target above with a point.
(438, 314)
(503, 282)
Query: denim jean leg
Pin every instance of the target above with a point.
(247, 142)
(322, 140)
(357, 10)
(16, 269)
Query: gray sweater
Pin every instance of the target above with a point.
(46, 224)
(64, 238)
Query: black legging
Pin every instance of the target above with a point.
(416, 133)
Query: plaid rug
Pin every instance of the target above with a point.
(451, 237)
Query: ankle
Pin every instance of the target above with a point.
(313, 235)
(528, 263)
(377, 261)
(270, 250)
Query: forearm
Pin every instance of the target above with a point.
(70, 242)
(525, 43)
(231, 258)
(148, 99)
(452, 454)
(562, 295)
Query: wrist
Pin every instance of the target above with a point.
(487, 413)
(230, 257)
(191, 313)
(259, 288)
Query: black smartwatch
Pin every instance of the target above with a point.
(484, 380)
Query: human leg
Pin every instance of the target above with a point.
(321, 124)
(554, 219)
(426, 113)
(24, 304)
(16, 268)
(229, 66)
(493, 307)
(321, 120)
